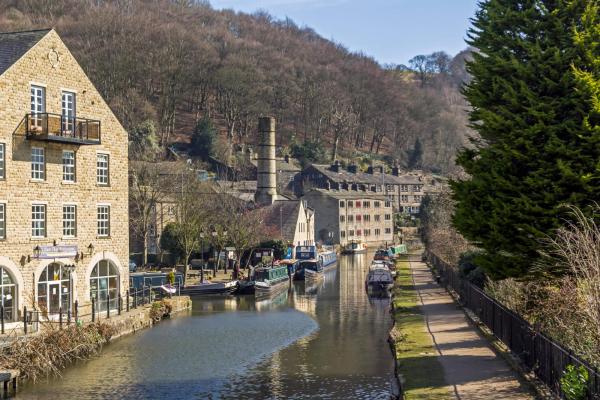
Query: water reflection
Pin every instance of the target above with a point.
(326, 341)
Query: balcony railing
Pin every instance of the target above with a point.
(60, 128)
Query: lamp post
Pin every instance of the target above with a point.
(202, 252)
(216, 264)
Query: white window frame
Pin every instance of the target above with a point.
(103, 224)
(68, 110)
(2, 161)
(69, 213)
(69, 167)
(37, 95)
(39, 228)
(38, 168)
(2, 221)
(103, 171)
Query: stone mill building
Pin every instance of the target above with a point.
(63, 182)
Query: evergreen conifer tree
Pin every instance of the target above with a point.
(535, 99)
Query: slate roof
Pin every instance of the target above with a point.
(13, 45)
(350, 194)
(283, 214)
(362, 177)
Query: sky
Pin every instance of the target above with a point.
(391, 31)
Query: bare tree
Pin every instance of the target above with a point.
(146, 191)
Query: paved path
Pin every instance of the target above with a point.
(471, 367)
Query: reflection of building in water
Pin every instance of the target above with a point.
(275, 377)
(305, 303)
(353, 297)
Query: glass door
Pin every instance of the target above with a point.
(38, 106)
(68, 113)
(54, 297)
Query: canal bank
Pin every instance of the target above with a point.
(56, 345)
(321, 341)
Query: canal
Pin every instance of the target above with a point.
(321, 342)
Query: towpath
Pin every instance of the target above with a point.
(471, 368)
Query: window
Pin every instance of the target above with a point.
(404, 188)
(416, 188)
(342, 218)
(367, 232)
(358, 204)
(388, 217)
(38, 220)
(342, 234)
(404, 198)
(415, 210)
(350, 218)
(367, 204)
(104, 220)
(388, 231)
(8, 294)
(38, 106)
(350, 204)
(102, 168)
(2, 221)
(68, 113)
(38, 164)
(54, 289)
(69, 220)
(388, 204)
(2, 161)
(104, 285)
(377, 204)
(377, 232)
(389, 188)
(377, 217)
(342, 205)
(417, 199)
(358, 232)
(68, 159)
(358, 218)
(351, 232)
(367, 218)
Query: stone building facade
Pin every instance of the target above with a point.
(63, 182)
(404, 190)
(345, 216)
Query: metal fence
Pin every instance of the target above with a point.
(538, 353)
(106, 307)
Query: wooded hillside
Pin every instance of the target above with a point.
(174, 62)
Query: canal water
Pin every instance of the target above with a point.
(322, 342)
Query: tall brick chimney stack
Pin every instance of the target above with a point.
(266, 187)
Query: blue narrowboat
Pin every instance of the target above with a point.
(314, 264)
(328, 258)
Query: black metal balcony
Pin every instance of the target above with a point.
(58, 128)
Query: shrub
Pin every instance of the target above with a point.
(574, 382)
(469, 270)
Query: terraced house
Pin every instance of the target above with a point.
(63, 182)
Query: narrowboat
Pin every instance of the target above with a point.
(210, 288)
(154, 280)
(381, 254)
(311, 276)
(314, 265)
(379, 281)
(271, 280)
(328, 259)
(395, 251)
(355, 248)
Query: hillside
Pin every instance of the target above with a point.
(173, 62)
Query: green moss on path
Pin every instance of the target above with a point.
(422, 373)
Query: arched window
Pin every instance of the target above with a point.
(104, 282)
(54, 288)
(8, 291)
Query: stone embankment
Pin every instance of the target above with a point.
(55, 347)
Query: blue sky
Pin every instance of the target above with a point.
(392, 31)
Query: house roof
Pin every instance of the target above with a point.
(349, 194)
(365, 178)
(283, 214)
(14, 45)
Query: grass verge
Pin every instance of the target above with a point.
(420, 370)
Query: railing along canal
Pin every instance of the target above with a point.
(540, 354)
